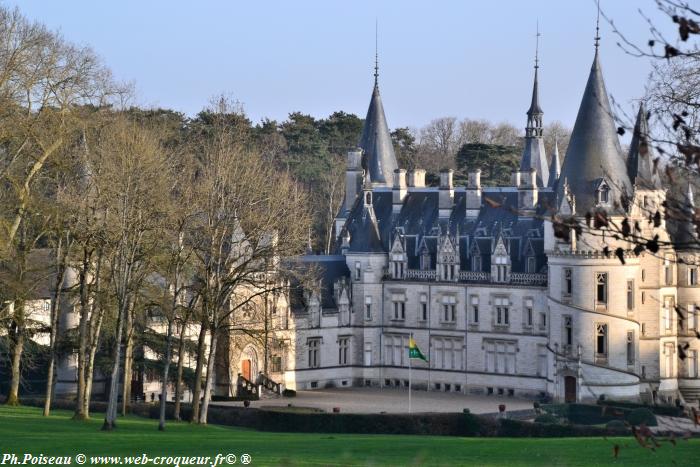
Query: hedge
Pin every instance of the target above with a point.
(668, 410)
(444, 424)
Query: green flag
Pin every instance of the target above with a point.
(414, 351)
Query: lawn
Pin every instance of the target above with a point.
(23, 430)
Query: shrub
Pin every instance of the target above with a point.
(641, 415)
(546, 418)
(289, 393)
(616, 425)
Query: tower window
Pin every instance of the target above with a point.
(601, 342)
(368, 307)
(601, 283)
(604, 194)
(630, 295)
(630, 347)
(424, 307)
(568, 282)
(568, 330)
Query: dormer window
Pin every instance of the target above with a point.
(603, 194)
(476, 263)
(425, 261)
(531, 264)
(368, 198)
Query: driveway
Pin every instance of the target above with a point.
(390, 400)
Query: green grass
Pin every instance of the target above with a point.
(23, 430)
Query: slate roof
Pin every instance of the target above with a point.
(379, 158)
(594, 151)
(641, 156)
(327, 269)
(419, 223)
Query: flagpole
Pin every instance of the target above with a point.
(409, 376)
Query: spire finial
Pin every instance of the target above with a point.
(597, 27)
(376, 52)
(537, 45)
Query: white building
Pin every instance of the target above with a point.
(499, 295)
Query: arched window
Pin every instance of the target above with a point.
(604, 194)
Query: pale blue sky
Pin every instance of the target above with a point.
(437, 58)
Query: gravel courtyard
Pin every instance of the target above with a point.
(375, 400)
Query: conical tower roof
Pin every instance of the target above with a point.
(534, 156)
(639, 161)
(379, 157)
(594, 155)
(554, 166)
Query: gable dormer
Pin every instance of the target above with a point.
(424, 255)
(448, 258)
(475, 257)
(398, 259)
(500, 261)
(602, 193)
(314, 307)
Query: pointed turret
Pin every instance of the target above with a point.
(379, 158)
(534, 156)
(594, 168)
(554, 166)
(639, 161)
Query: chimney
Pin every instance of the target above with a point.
(399, 190)
(447, 194)
(527, 192)
(416, 179)
(474, 194)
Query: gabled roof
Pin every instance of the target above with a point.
(639, 161)
(379, 159)
(594, 149)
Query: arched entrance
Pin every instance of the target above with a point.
(248, 365)
(569, 389)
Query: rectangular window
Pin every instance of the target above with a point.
(424, 307)
(474, 303)
(601, 341)
(668, 359)
(368, 354)
(668, 313)
(543, 320)
(601, 282)
(449, 309)
(502, 311)
(568, 282)
(500, 356)
(314, 353)
(358, 270)
(343, 346)
(276, 364)
(531, 265)
(668, 272)
(399, 310)
(568, 331)
(528, 312)
(692, 275)
(630, 348)
(630, 295)
(368, 307)
(692, 318)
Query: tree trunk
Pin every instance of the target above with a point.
(128, 359)
(166, 369)
(83, 335)
(210, 377)
(197, 389)
(55, 314)
(180, 367)
(17, 340)
(90, 369)
(111, 413)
